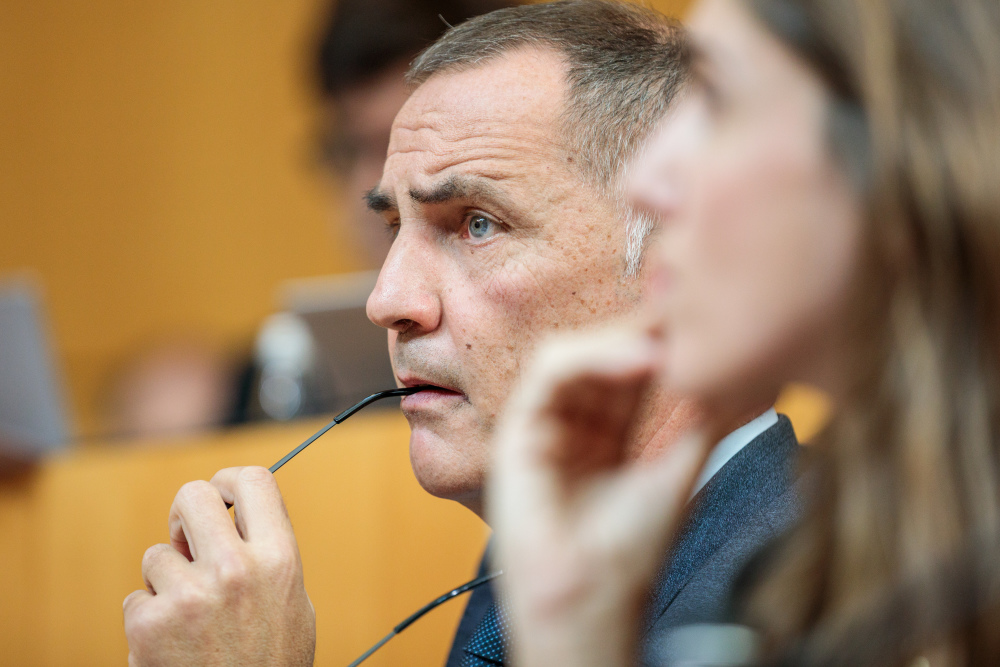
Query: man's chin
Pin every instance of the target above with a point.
(446, 469)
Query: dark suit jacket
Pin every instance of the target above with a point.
(750, 501)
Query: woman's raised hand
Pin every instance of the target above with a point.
(580, 529)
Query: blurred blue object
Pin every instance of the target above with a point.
(705, 645)
(32, 410)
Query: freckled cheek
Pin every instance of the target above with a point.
(542, 294)
(516, 300)
(487, 324)
(515, 314)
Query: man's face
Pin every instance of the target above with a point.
(499, 241)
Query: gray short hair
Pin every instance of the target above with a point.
(625, 64)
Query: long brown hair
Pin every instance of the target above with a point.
(904, 487)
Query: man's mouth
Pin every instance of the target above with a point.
(434, 395)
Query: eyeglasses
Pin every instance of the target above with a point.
(464, 588)
(357, 407)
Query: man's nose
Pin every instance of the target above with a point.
(405, 299)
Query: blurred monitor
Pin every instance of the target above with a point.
(352, 358)
(32, 413)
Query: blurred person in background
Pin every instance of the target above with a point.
(503, 189)
(829, 191)
(172, 387)
(363, 55)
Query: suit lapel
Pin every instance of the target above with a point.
(748, 483)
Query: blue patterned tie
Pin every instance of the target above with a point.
(488, 645)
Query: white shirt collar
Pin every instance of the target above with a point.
(729, 446)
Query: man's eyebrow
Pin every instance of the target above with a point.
(456, 187)
(380, 201)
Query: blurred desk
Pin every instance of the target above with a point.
(375, 546)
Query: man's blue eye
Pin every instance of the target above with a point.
(480, 226)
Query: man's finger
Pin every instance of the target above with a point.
(133, 600)
(260, 509)
(199, 519)
(163, 566)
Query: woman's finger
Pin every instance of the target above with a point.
(548, 435)
(579, 386)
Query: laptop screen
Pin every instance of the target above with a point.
(32, 412)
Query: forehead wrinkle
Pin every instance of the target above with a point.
(438, 127)
(506, 110)
(473, 169)
(476, 143)
(476, 161)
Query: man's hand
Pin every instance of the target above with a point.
(222, 593)
(579, 529)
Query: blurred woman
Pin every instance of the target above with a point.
(830, 195)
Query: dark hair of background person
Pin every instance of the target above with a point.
(905, 484)
(364, 37)
(360, 58)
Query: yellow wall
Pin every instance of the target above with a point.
(670, 7)
(155, 169)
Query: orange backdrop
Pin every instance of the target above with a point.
(157, 173)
